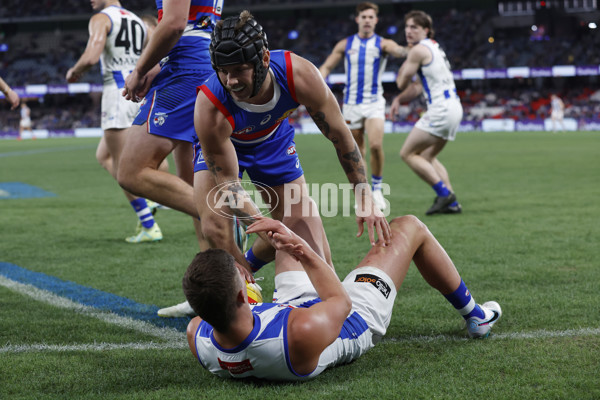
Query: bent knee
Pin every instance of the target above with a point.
(407, 221)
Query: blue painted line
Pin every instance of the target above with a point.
(19, 190)
(92, 297)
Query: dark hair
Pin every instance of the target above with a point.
(422, 19)
(210, 285)
(367, 5)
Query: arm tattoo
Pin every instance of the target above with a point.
(319, 118)
(237, 197)
(212, 166)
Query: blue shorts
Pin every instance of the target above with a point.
(169, 105)
(271, 163)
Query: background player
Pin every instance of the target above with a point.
(116, 39)
(319, 322)
(25, 123)
(558, 112)
(365, 57)
(444, 111)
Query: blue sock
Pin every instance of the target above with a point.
(463, 302)
(441, 189)
(376, 182)
(143, 212)
(255, 263)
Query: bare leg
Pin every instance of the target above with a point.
(437, 165)
(412, 241)
(374, 128)
(417, 142)
(139, 174)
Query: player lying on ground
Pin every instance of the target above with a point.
(317, 321)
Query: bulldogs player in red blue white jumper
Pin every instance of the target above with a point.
(317, 322)
(241, 121)
(164, 79)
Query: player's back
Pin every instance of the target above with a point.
(436, 77)
(124, 45)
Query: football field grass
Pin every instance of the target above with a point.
(77, 303)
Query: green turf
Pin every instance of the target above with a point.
(528, 238)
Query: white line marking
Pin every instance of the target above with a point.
(539, 334)
(91, 347)
(176, 340)
(171, 335)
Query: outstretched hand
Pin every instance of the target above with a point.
(280, 236)
(376, 223)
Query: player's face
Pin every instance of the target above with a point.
(367, 20)
(414, 33)
(238, 80)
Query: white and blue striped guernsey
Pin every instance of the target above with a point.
(436, 77)
(365, 63)
(265, 354)
(124, 45)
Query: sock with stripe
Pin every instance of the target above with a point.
(255, 263)
(463, 302)
(376, 182)
(143, 212)
(440, 189)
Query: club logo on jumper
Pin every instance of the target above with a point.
(160, 118)
(291, 150)
(200, 158)
(383, 287)
(236, 368)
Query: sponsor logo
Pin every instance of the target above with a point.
(244, 131)
(236, 368)
(286, 114)
(265, 119)
(160, 118)
(291, 150)
(383, 287)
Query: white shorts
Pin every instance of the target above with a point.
(117, 113)
(371, 290)
(557, 115)
(442, 119)
(25, 123)
(355, 114)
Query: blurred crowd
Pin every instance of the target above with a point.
(34, 58)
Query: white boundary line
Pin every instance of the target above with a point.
(176, 340)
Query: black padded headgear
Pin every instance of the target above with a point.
(230, 46)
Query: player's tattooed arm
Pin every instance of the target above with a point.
(345, 147)
(212, 165)
(239, 201)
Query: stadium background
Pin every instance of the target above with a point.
(507, 57)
